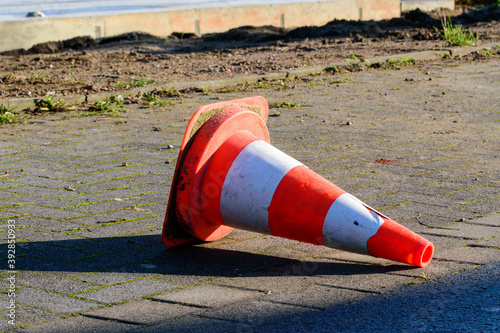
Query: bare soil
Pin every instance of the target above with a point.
(83, 65)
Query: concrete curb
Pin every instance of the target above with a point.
(23, 103)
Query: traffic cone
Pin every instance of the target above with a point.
(229, 176)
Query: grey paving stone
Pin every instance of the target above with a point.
(466, 231)
(42, 201)
(81, 324)
(116, 259)
(101, 176)
(113, 244)
(110, 217)
(52, 267)
(51, 283)
(47, 224)
(49, 250)
(43, 181)
(319, 296)
(206, 296)
(4, 325)
(127, 291)
(470, 254)
(41, 191)
(489, 242)
(45, 211)
(109, 195)
(196, 325)
(143, 312)
(53, 302)
(106, 206)
(110, 278)
(28, 315)
(113, 230)
(257, 313)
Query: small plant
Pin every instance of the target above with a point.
(6, 115)
(286, 104)
(342, 80)
(260, 85)
(39, 76)
(152, 99)
(145, 81)
(351, 58)
(454, 35)
(50, 105)
(111, 105)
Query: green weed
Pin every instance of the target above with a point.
(143, 82)
(342, 80)
(285, 104)
(6, 115)
(50, 105)
(152, 99)
(111, 105)
(351, 58)
(454, 34)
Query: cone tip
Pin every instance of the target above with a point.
(426, 256)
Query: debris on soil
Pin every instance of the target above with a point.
(84, 65)
(385, 161)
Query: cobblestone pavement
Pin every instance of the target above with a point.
(87, 196)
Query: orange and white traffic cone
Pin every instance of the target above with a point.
(229, 176)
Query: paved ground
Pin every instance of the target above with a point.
(89, 255)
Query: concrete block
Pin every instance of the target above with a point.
(426, 5)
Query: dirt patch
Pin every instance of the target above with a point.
(83, 65)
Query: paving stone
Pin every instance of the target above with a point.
(143, 312)
(49, 250)
(122, 194)
(466, 231)
(206, 296)
(110, 217)
(41, 191)
(106, 206)
(51, 283)
(52, 267)
(47, 224)
(115, 259)
(127, 291)
(320, 296)
(489, 242)
(45, 211)
(106, 245)
(28, 315)
(196, 324)
(81, 324)
(470, 254)
(53, 302)
(113, 230)
(109, 278)
(257, 313)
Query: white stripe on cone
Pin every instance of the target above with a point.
(349, 224)
(250, 184)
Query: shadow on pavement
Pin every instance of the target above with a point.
(147, 254)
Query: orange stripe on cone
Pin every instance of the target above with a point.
(300, 204)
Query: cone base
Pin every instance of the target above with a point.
(203, 136)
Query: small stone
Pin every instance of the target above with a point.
(170, 147)
(349, 123)
(124, 164)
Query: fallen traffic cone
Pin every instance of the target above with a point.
(229, 176)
